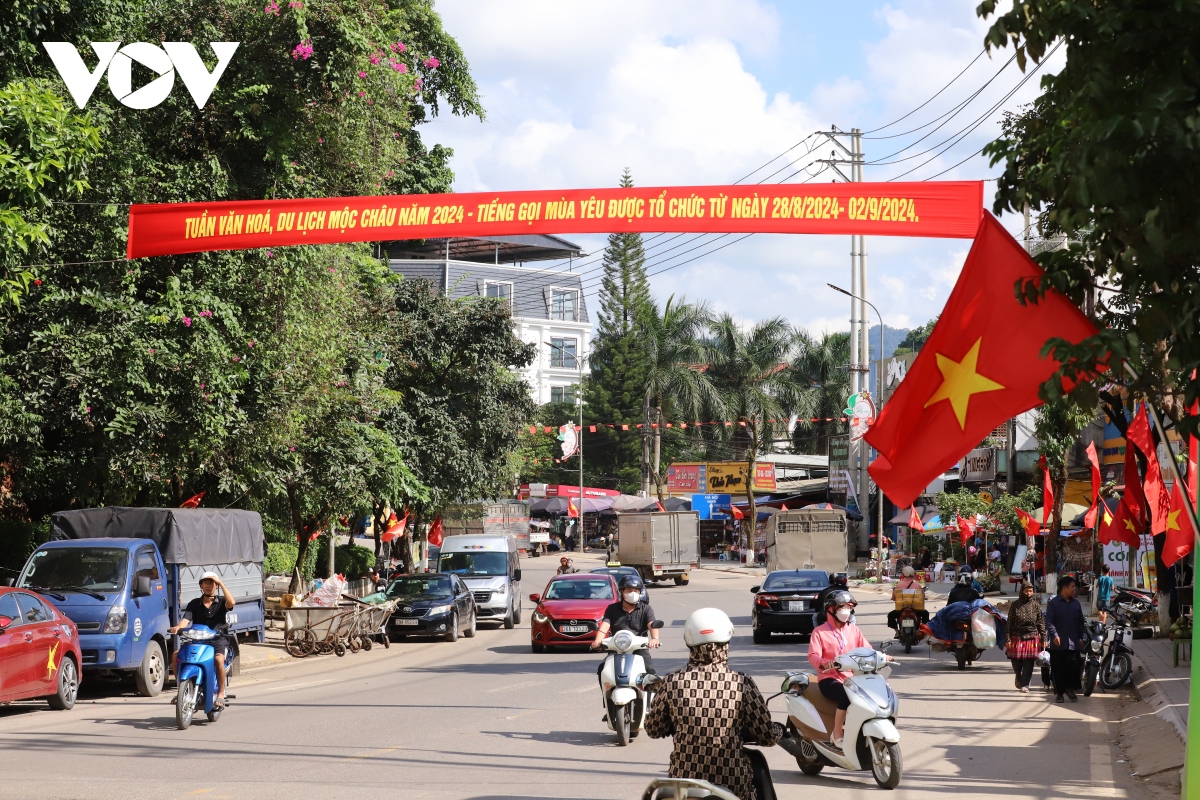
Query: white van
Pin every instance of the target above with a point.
(491, 568)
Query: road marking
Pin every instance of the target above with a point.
(370, 753)
(521, 714)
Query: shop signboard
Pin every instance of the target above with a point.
(685, 478)
(839, 466)
(979, 466)
(1117, 557)
(764, 476)
(726, 476)
(706, 505)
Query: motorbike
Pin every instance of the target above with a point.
(1092, 646)
(1138, 606)
(871, 738)
(965, 651)
(627, 686)
(680, 788)
(196, 675)
(908, 621)
(1116, 653)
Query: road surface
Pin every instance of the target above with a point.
(485, 718)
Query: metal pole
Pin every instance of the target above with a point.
(579, 363)
(864, 348)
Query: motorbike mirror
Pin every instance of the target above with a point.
(754, 589)
(658, 623)
(537, 598)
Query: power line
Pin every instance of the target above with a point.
(927, 102)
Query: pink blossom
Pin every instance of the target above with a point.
(151, 351)
(362, 74)
(237, 358)
(362, 94)
(271, 8)
(89, 408)
(187, 322)
(320, 140)
(432, 62)
(295, 4)
(375, 58)
(201, 384)
(270, 254)
(398, 47)
(290, 449)
(252, 343)
(399, 66)
(370, 102)
(303, 50)
(417, 84)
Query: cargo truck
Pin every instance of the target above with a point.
(661, 545)
(808, 539)
(124, 575)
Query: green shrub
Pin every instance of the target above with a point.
(353, 561)
(281, 557)
(17, 541)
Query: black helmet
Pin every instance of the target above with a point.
(631, 582)
(839, 598)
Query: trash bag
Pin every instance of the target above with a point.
(983, 629)
(329, 592)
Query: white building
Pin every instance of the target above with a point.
(547, 300)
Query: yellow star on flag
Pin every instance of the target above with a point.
(1129, 525)
(960, 380)
(50, 668)
(1173, 520)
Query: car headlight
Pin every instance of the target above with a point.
(116, 621)
(436, 610)
(539, 618)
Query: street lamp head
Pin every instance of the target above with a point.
(839, 289)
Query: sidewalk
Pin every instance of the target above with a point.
(1163, 686)
(732, 566)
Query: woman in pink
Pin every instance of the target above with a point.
(836, 636)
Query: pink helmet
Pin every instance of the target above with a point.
(971, 550)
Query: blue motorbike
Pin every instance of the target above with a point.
(196, 674)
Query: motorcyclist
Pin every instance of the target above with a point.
(907, 583)
(210, 611)
(710, 710)
(967, 590)
(566, 567)
(837, 635)
(631, 613)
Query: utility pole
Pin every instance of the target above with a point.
(1010, 443)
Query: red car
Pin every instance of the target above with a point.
(39, 650)
(570, 609)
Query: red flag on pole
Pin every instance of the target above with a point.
(1134, 496)
(572, 509)
(395, 527)
(1047, 492)
(435, 532)
(1032, 526)
(1123, 527)
(736, 512)
(193, 501)
(914, 520)
(1089, 519)
(981, 365)
(1158, 503)
(965, 530)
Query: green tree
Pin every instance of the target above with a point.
(748, 367)
(616, 388)
(915, 339)
(1057, 429)
(819, 368)
(1109, 157)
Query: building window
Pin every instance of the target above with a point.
(562, 394)
(500, 290)
(563, 304)
(562, 353)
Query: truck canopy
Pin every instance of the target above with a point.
(187, 536)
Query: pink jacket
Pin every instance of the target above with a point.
(827, 643)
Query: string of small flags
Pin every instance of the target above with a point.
(533, 429)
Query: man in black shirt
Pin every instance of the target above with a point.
(209, 611)
(630, 613)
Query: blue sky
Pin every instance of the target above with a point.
(704, 91)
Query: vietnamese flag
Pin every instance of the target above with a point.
(1133, 486)
(982, 365)
(1047, 492)
(965, 529)
(193, 501)
(736, 512)
(572, 509)
(1032, 526)
(435, 531)
(914, 520)
(1123, 526)
(1158, 504)
(395, 527)
(1089, 519)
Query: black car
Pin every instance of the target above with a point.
(620, 572)
(787, 602)
(431, 604)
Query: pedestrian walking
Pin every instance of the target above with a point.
(1026, 635)
(1104, 587)
(1064, 628)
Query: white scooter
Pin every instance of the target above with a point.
(871, 739)
(626, 684)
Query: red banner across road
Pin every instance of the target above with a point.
(947, 209)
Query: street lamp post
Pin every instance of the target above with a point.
(579, 442)
(879, 400)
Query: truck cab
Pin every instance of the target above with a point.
(116, 592)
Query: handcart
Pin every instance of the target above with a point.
(318, 629)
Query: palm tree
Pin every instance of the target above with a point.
(675, 355)
(820, 368)
(749, 369)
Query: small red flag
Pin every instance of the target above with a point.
(1032, 526)
(1089, 519)
(626, 427)
(736, 512)
(395, 527)
(981, 365)
(1047, 492)
(548, 429)
(591, 428)
(1134, 496)
(965, 530)
(435, 532)
(659, 505)
(193, 501)
(1157, 501)
(572, 509)
(1123, 526)
(1180, 537)
(914, 520)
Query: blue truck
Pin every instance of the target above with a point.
(124, 575)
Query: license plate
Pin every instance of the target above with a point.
(406, 621)
(797, 605)
(908, 623)
(574, 628)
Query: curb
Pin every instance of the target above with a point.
(1146, 687)
(744, 570)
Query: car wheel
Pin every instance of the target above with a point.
(152, 673)
(68, 685)
(761, 636)
(517, 615)
(537, 648)
(679, 580)
(452, 628)
(470, 631)
(510, 620)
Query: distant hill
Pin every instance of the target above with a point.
(892, 337)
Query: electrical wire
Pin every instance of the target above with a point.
(927, 102)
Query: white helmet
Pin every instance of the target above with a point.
(707, 625)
